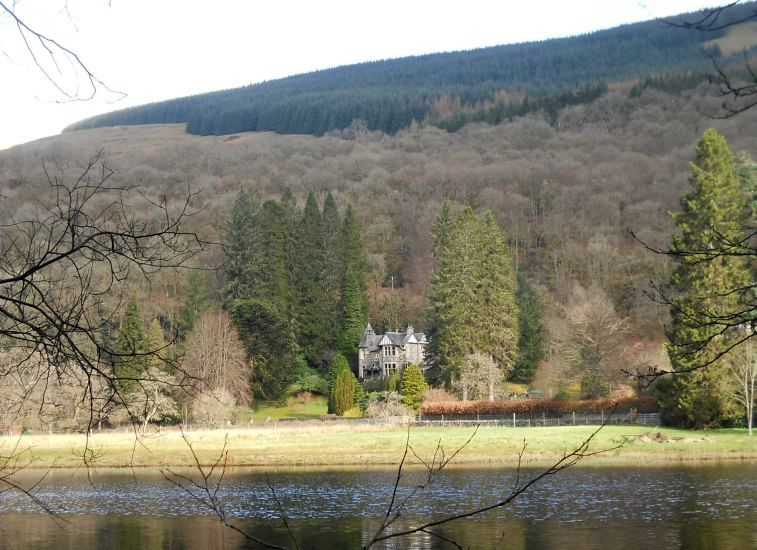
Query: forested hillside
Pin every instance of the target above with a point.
(565, 194)
(388, 95)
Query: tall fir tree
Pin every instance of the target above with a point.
(269, 344)
(532, 332)
(441, 228)
(274, 283)
(712, 215)
(472, 296)
(240, 242)
(314, 335)
(333, 261)
(354, 302)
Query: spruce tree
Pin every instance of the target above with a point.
(354, 289)
(705, 280)
(472, 296)
(532, 332)
(333, 261)
(240, 242)
(130, 363)
(269, 344)
(314, 335)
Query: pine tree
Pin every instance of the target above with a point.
(314, 336)
(131, 345)
(196, 300)
(240, 242)
(532, 332)
(472, 296)
(273, 284)
(413, 386)
(712, 215)
(354, 296)
(269, 344)
(333, 261)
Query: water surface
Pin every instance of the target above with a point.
(704, 506)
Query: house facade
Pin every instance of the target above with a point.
(380, 355)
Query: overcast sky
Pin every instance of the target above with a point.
(160, 49)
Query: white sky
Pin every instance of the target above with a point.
(161, 49)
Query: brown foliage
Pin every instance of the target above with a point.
(540, 406)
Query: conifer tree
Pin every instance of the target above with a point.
(269, 344)
(159, 354)
(338, 364)
(333, 261)
(344, 391)
(532, 332)
(314, 336)
(196, 300)
(413, 386)
(712, 215)
(274, 285)
(441, 228)
(131, 345)
(240, 243)
(354, 288)
(472, 296)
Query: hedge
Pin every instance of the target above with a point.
(541, 406)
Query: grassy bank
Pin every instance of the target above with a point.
(324, 444)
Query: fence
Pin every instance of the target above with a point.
(522, 420)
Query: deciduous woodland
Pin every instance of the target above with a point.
(565, 195)
(513, 219)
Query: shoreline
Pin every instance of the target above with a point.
(326, 447)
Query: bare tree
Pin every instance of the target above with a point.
(742, 369)
(479, 373)
(216, 357)
(62, 67)
(594, 342)
(64, 264)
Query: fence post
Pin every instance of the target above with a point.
(529, 421)
(513, 420)
(602, 412)
(543, 419)
(574, 418)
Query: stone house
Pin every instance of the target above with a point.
(380, 355)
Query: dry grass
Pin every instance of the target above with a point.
(324, 444)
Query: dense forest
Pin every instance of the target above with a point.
(389, 95)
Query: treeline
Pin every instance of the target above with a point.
(389, 95)
(295, 285)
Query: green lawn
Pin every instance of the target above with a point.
(295, 408)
